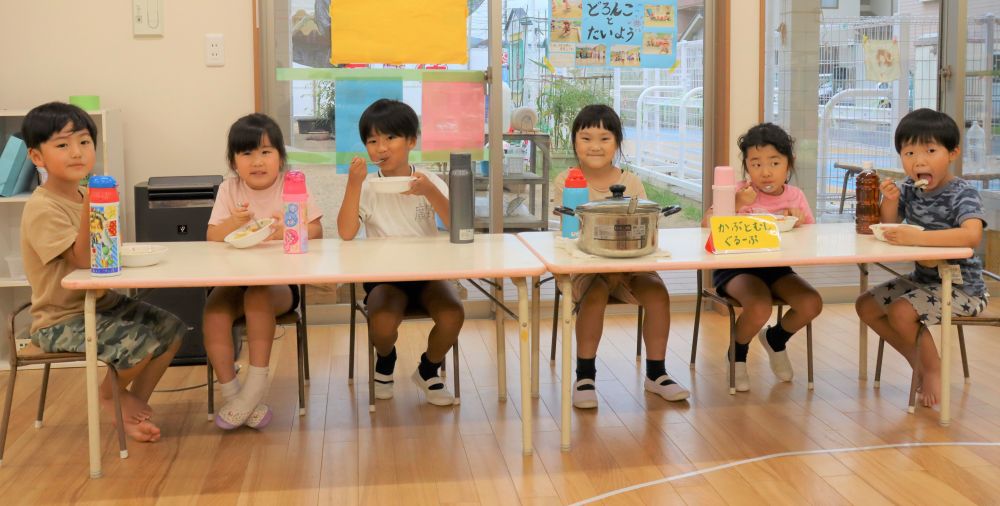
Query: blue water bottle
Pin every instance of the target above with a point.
(575, 192)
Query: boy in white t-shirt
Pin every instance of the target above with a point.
(389, 129)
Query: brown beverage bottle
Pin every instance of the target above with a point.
(867, 212)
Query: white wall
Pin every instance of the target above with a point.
(175, 110)
(744, 67)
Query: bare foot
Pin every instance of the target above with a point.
(930, 390)
(144, 431)
(134, 409)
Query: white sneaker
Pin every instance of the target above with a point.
(438, 396)
(780, 365)
(383, 386)
(667, 388)
(742, 377)
(584, 399)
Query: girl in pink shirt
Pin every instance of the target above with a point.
(256, 153)
(768, 162)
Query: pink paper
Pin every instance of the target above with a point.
(454, 116)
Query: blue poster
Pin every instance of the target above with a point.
(613, 33)
(353, 97)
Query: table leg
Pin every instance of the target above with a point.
(93, 410)
(524, 336)
(863, 329)
(536, 309)
(566, 286)
(944, 269)
(501, 342)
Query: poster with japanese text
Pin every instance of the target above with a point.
(398, 31)
(613, 33)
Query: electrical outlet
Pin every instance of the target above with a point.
(215, 50)
(147, 17)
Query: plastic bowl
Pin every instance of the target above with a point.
(879, 228)
(785, 223)
(395, 184)
(142, 255)
(251, 234)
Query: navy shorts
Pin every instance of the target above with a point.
(412, 289)
(721, 277)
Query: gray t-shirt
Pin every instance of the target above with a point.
(941, 209)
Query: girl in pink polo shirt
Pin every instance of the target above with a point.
(768, 162)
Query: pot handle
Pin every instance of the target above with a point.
(565, 211)
(667, 211)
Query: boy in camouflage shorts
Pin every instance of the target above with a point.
(137, 339)
(950, 213)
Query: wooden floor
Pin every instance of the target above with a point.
(410, 452)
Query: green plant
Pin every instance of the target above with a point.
(559, 103)
(326, 100)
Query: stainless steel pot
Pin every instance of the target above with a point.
(619, 226)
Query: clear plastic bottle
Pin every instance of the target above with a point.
(105, 227)
(975, 142)
(867, 213)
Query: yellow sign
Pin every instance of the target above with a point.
(398, 31)
(738, 234)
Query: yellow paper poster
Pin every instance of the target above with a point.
(738, 234)
(398, 31)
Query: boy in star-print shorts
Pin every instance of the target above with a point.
(948, 212)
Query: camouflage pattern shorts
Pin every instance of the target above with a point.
(128, 331)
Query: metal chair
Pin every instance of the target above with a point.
(32, 355)
(989, 318)
(731, 304)
(576, 308)
(357, 307)
(295, 317)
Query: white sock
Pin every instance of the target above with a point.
(229, 390)
(255, 388)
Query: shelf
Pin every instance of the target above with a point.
(20, 197)
(509, 222)
(13, 113)
(6, 282)
(522, 177)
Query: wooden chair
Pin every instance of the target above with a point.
(731, 304)
(32, 355)
(297, 317)
(576, 308)
(989, 318)
(357, 307)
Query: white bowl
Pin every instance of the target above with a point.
(251, 234)
(394, 184)
(142, 255)
(879, 228)
(785, 223)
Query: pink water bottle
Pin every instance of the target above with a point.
(294, 214)
(724, 192)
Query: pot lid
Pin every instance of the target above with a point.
(618, 203)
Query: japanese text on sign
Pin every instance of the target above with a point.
(616, 33)
(734, 234)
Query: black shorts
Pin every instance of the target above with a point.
(296, 298)
(768, 275)
(412, 289)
